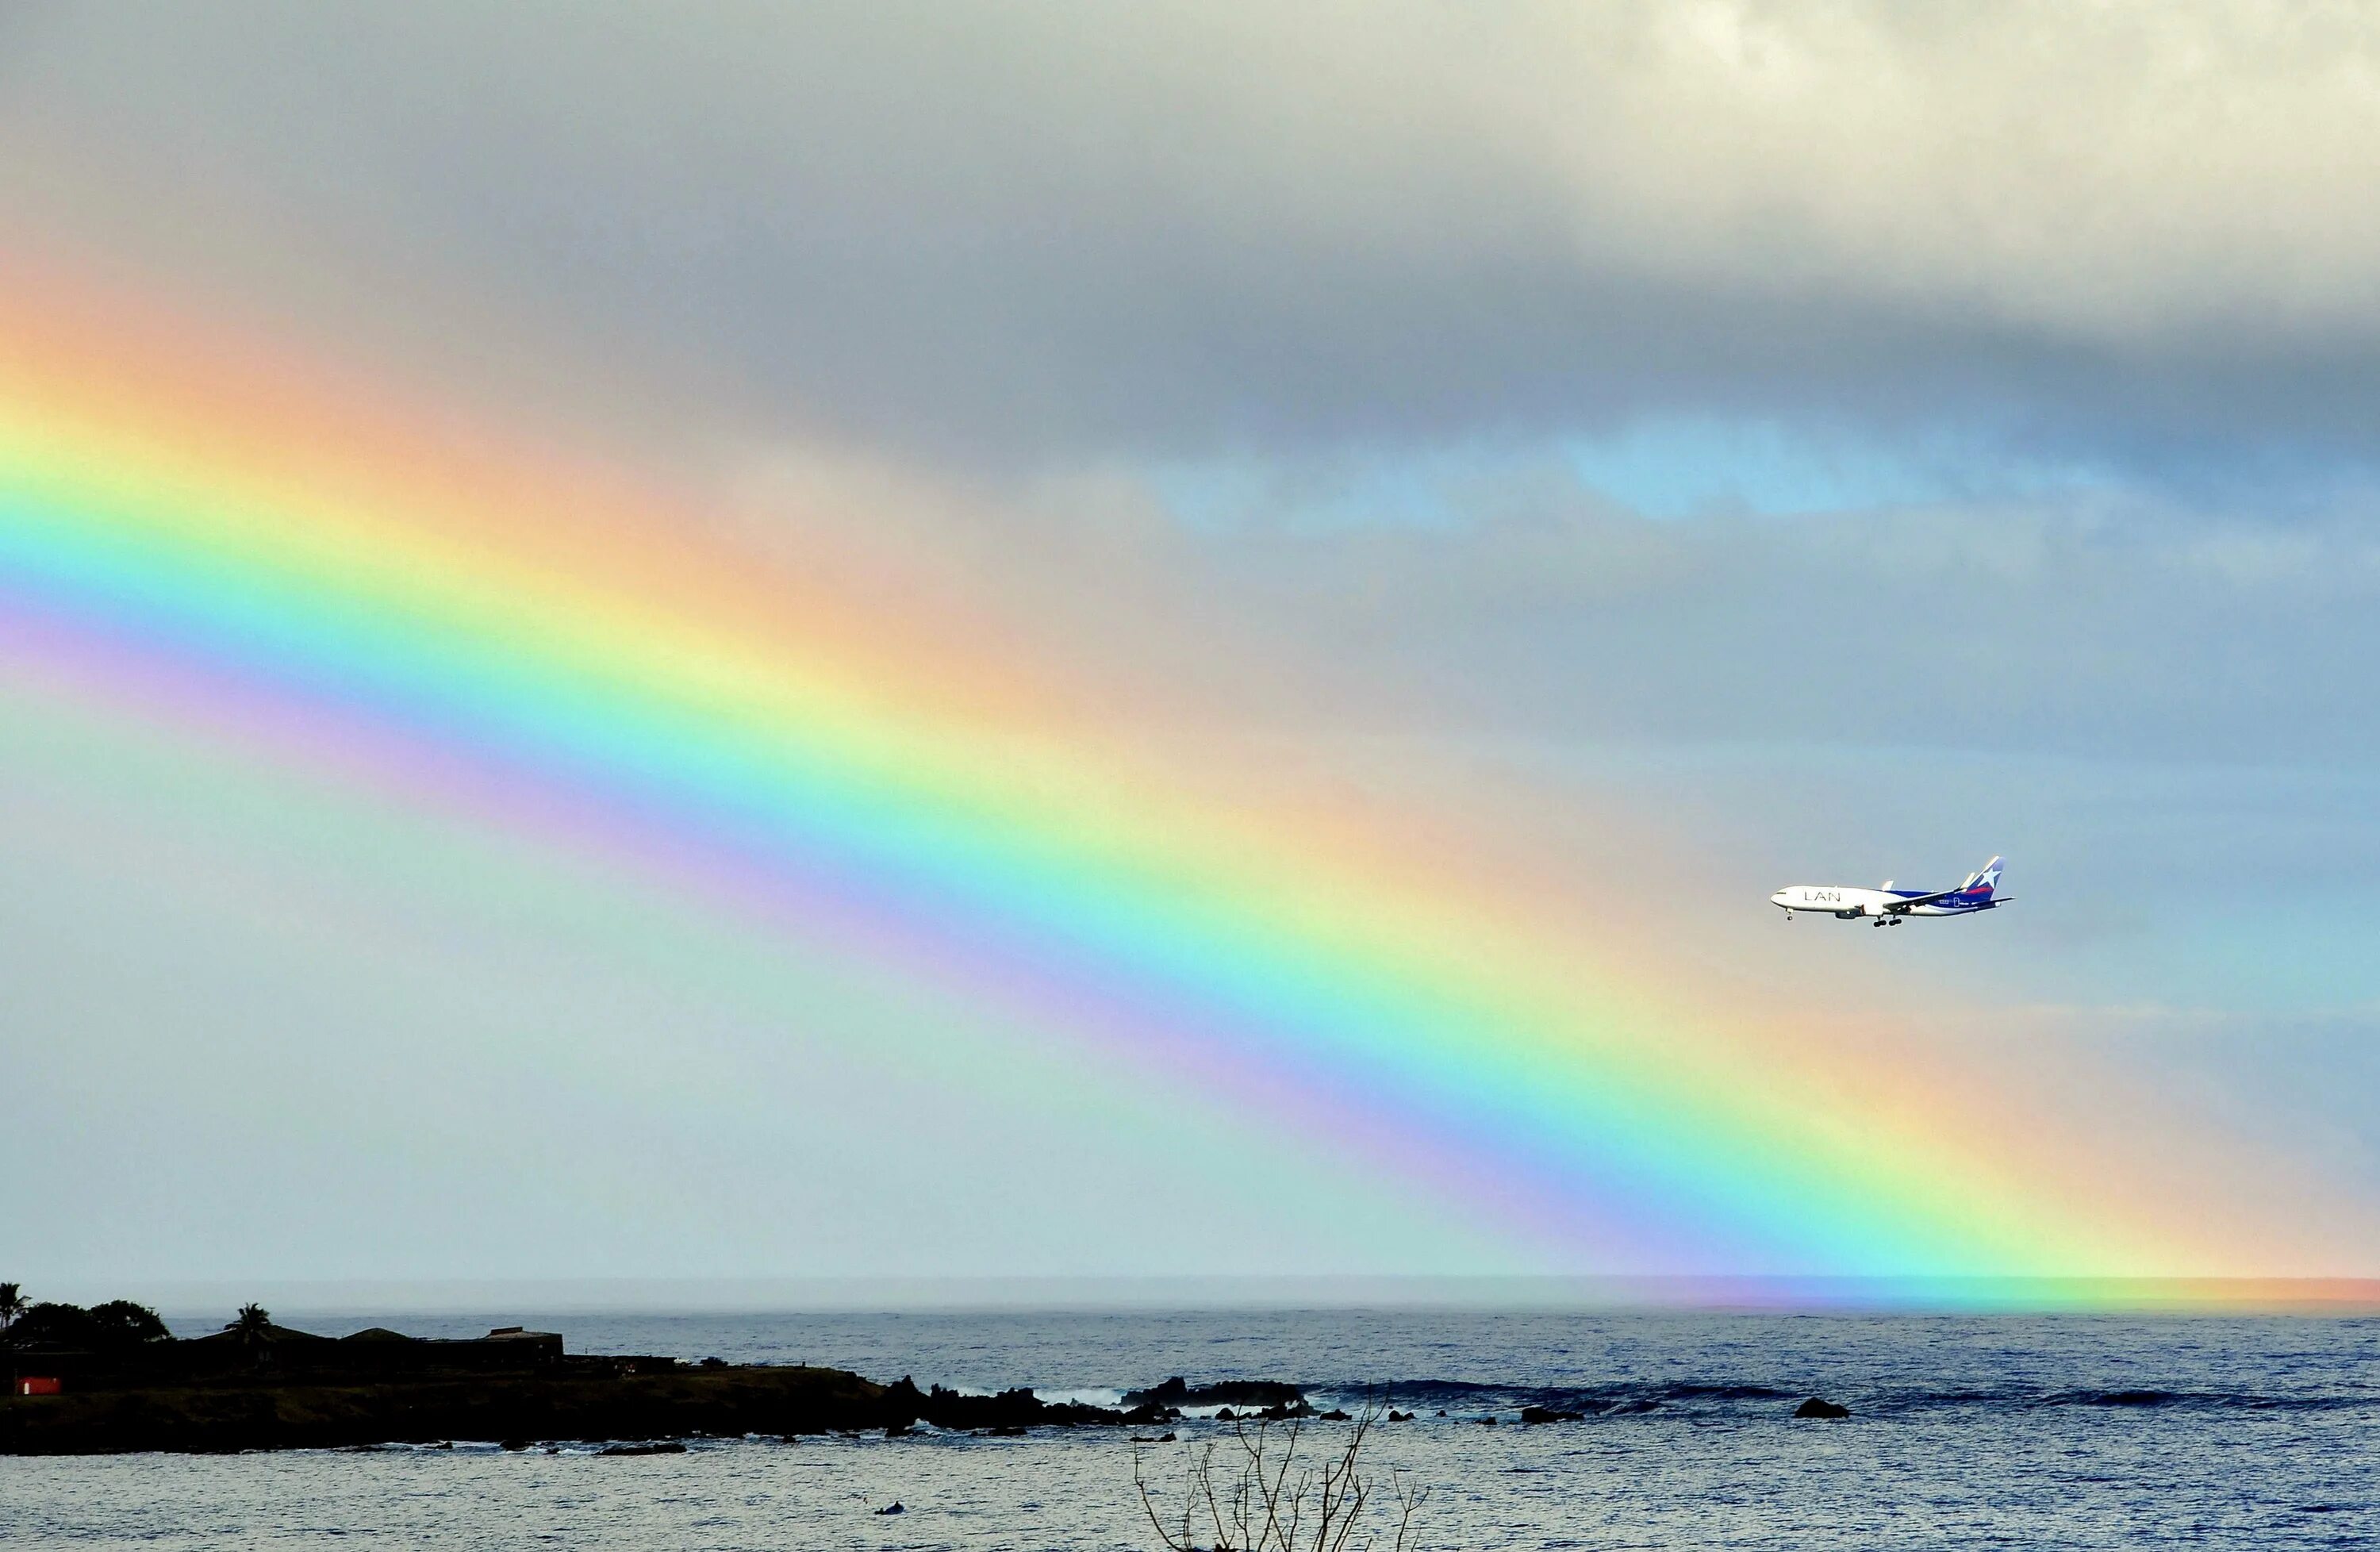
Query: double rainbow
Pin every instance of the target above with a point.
(229, 544)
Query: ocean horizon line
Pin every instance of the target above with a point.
(1748, 1293)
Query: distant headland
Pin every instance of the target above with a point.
(111, 1379)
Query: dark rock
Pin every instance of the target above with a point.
(1334, 1415)
(1487, 1421)
(1549, 1414)
(893, 1508)
(1018, 1409)
(1815, 1407)
(1396, 1416)
(1009, 1431)
(1240, 1393)
(514, 1445)
(1227, 1415)
(664, 1447)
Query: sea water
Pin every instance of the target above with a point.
(2073, 1431)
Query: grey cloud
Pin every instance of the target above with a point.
(1067, 242)
(2095, 625)
(1049, 233)
(2144, 634)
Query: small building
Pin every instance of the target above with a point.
(38, 1384)
(527, 1339)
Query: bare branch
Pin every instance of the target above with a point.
(1276, 1498)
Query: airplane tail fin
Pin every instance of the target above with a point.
(1979, 886)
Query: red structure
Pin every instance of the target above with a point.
(36, 1385)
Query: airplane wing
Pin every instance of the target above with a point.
(1896, 907)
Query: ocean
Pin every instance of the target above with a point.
(2068, 1431)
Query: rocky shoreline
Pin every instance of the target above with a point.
(112, 1380)
(727, 1400)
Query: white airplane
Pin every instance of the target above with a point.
(1887, 907)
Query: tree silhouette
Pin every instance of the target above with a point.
(12, 1305)
(252, 1327)
(121, 1323)
(110, 1328)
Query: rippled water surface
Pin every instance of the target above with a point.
(2067, 1432)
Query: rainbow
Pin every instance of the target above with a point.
(199, 533)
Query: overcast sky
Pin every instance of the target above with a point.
(1868, 437)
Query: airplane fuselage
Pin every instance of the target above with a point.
(1843, 900)
(1887, 907)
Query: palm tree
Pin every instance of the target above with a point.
(12, 1305)
(252, 1327)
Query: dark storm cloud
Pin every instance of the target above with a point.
(1052, 239)
(1037, 235)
